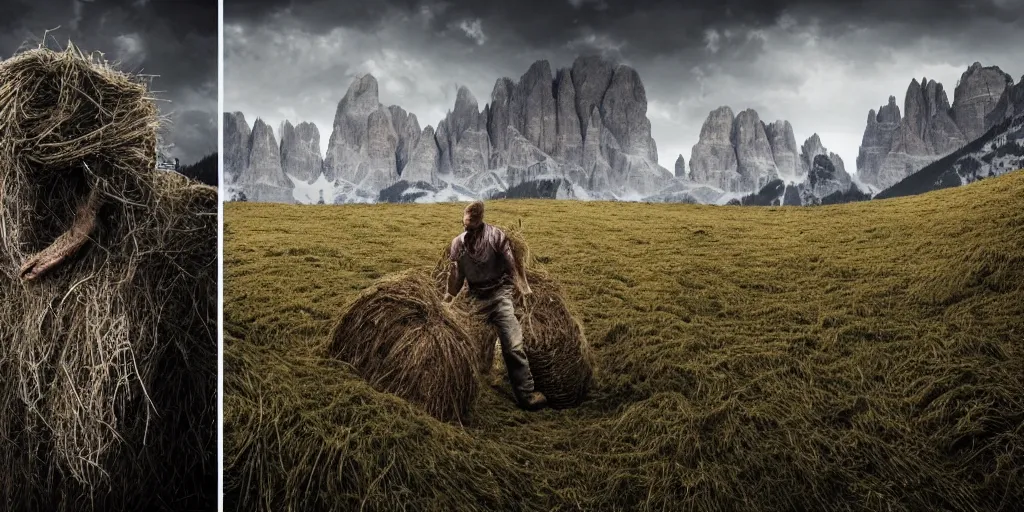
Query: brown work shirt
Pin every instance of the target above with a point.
(487, 264)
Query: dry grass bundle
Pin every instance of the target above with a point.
(108, 362)
(560, 357)
(403, 339)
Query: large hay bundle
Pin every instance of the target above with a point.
(560, 357)
(402, 339)
(107, 362)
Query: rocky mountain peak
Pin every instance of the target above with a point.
(465, 115)
(569, 138)
(811, 148)
(462, 139)
(825, 176)
(914, 106)
(713, 157)
(539, 69)
(300, 151)
(361, 98)
(889, 113)
(464, 99)
(591, 75)
(976, 96)
(422, 162)
(936, 98)
(624, 113)
(718, 125)
(237, 136)
(1011, 104)
(264, 176)
(407, 129)
(498, 115)
(784, 148)
(755, 162)
(532, 108)
(261, 128)
(893, 148)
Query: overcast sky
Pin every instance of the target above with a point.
(820, 65)
(173, 39)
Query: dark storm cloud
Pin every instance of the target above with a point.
(653, 25)
(175, 40)
(820, 65)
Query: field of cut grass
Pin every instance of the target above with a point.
(867, 356)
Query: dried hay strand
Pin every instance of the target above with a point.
(107, 362)
(560, 358)
(403, 339)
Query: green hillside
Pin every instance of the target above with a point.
(865, 356)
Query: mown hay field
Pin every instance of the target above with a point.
(867, 356)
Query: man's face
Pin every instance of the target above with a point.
(468, 223)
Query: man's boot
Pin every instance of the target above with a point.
(533, 401)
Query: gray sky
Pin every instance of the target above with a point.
(173, 39)
(820, 65)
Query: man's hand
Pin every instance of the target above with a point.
(455, 281)
(522, 287)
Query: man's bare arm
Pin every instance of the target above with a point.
(455, 280)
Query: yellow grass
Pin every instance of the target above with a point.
(748, 358)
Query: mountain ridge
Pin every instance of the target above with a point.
(585, 129)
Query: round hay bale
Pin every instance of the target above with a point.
(108, 362)
(404, 340)
(560, 357)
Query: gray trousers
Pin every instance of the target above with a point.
(500, 312)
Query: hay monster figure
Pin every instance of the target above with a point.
(108, 298)
(482, 257)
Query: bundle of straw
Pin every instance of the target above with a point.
(107, 362)
(403, 339)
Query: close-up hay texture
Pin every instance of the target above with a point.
(108, 362)
(865, 356)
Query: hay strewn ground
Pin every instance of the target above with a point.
(107, 363)
(867, 356)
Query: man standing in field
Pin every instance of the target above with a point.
(482, 257)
